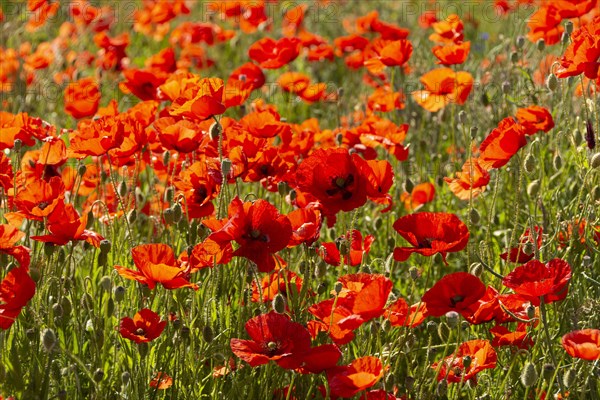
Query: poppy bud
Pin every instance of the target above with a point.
(207, 334)
(169, 193)
(338, 287)
(278, 303)
(143, 349)
(322, 288)
(166, 158)
(321, 270)
(293, 195)
(590, 136)
(452, 319)
(474, 216)
(595, 161)
(529, 164)
(48, 249)
(391, 242)
(340, 93)
(377, 223)
(514, 57)
(473, 132)
(462, 117)
(48, 339)
(125, 377)
(565, 38)
(110, 307)
(414, 273)
(81, 170)
(467, 362)
(568, 27)
(105, 283)
(123, 189)
(98, 375)
(225, 167)
(57, 310)
(31, 334)
(557, 162)
(168, 216)
(215, 130)
(586, 261)
(520, 42)
(476, 269)
(530, 310)
(132, 216)
(548, 371)
(35, 274)
(119, 293)
(105, 246)
(66, 306)
(533, 188)
(442, 388)
(386, 325)
(339, 138)
(177, 212)
(552, 82)
(569, 377)
(528, 248)
(17, 145)
(506, 86)
(541, 44)
(431, 326)
(283, 188)
(408, 185)
(529, 375)
(577, 138)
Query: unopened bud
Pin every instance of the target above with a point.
(208, 334)
(529, 164)
(568, 27)
(408, 185)
(123, 189)
(452, 319)
(105, 246)
(541, 44)
(533, 188)
(169, 194)
(132, 216)
(225, 167)
(48, 339)
(506, 86)
(338, 287)
(177, 212)
(119, 293)
(125, 377)
(552, 82)
(473, 132)
(215, 130)
(467, 362)
(595, 161)
(105, 283)
(414, 273)
(476, 269)
(81, 170)
(442, 388)
(529, 375)
(462, 116)
(520, 42)
(98, 375)
(514, 57)
(530, 311)
(474, 216)
(166, 158)
(278, 303)
(548, 371)
(569, 377)
(557, 162)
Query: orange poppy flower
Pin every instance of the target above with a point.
(38, 198)
(202, 101)
(471, 181)
(545, 24)
(209, 253)
(385, 100)
(6, 172)
(143, 328)
(82, 98)
(360, 374)
(583, 344)
(96, 137)
(535, 119)
(66, 225)
(442, 87)
(264, 124)
(200, 183)
(156, 264)
(16, 289)
(275, 283)
(520, 338)
(400, 314)
(306, 226)
(421, 194)
(430, 233)
(356, 250)
(452, 54)
(386, 53)
(501, 144)
(185, 136)
(271, 54)
(161, 381)
(583, 54)
(574, 8)
(449, 30)
(453, 369)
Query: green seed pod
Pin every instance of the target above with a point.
(208, 334)
(35, 274)
(378, 223)
(462, 117)
(119, 293)
(529, 375)
(57, 310)
(533, 188)
(529, 164)
(110, 307)
(279, 303)
(408, 185)
(431, 326)
(66, 306)
(569, 377)
(123, 189)
(283, 188)
(568, 27)
(226, 167)
(338, 287)
(321, 269)
(473, 132)
(166, 158)
(293, 195)
(177, 212)
(322, 288)
(530, 311)
(48, 339)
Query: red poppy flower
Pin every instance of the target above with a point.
(352, 241)
(520, 338)
(6, 172)
(454, 292)
(335, 178)
(96, 137)
(535, 119)
(449, 30)
(250, 74)
(453, 369)
(452, 54)
(387, 53)
(257, 227)
(442, 87)
(200, 183)
(275, 283)
(143, 328)
(360, 374)
(471, 181)
(518, 255)
(306, 226)
(319, 359)
(536, 279)
(583, 54)
(184, 136)
(431, 233)
(273, 337)
(583, 344)
(385, 100)
(271, 54)
(421, 194)
(156, 264)
(209, 253)
(66, 225)
(38, 198)
(82, 98)
(501, 144)
(16, 289)
(545, 24)
(400, 314)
